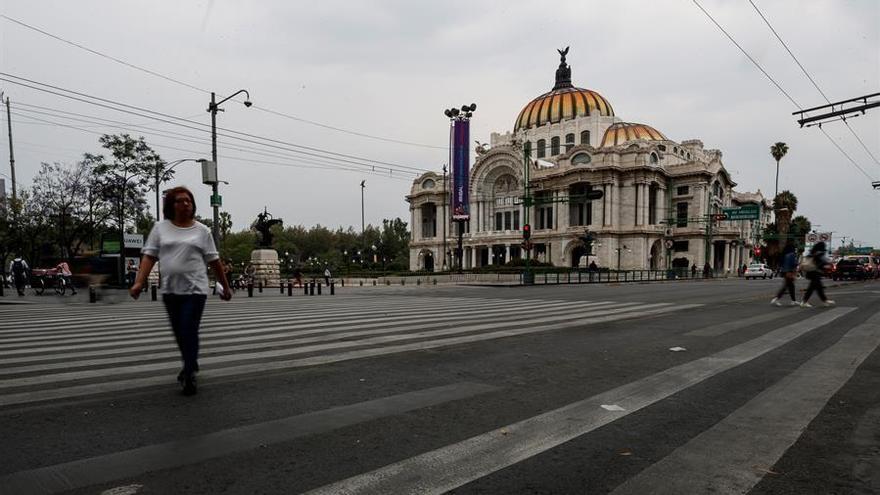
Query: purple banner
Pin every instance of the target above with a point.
(460, 170)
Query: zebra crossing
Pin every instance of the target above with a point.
(82, 352)
(69, 352)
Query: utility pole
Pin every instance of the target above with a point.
(11, 154)
(363, 228)
(213, 108)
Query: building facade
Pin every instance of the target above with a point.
(658, 195)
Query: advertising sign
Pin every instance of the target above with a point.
(133, 241)
(460, 170)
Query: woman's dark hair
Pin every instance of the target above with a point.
(171, 196)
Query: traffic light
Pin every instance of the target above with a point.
(757, 252)
(527, 231)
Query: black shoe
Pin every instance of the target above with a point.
(189, 385)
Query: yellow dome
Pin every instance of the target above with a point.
(622, 132)
(563, 102)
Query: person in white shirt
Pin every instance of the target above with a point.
(184, 246)
(327, 275)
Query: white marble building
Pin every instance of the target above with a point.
(658, 194)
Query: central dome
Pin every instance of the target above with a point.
(563, 102)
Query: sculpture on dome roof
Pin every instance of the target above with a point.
(563, 73)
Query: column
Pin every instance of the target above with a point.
(417, 223)
(662, 214)
(507, 252)
(564, 216)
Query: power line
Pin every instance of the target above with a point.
(157, 145)
(804, 70)
(746, 54)
(164, 118)
(774, 82)
(190, 86)
(173, 135)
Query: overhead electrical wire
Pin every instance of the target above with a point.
(198, 126)
(756, 64)
(196, 88)
(804, 70)
(173, 135)
(241, 159)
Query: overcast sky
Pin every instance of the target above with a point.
(389, 69)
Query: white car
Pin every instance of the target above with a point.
(756, 270)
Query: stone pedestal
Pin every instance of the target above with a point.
(266, 266)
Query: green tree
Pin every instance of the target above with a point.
(785, 204)
(125, 175)
(778, 151)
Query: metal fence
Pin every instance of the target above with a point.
(618, 276)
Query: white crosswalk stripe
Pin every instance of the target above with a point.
(67, 352)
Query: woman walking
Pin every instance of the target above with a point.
(184, 246)
(788, 267)
(813, 273)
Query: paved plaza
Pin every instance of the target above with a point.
(695, 387)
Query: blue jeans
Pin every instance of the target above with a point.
(185, 313)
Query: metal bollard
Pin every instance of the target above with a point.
(312, 288)
(343, 284)
(305, 289)
(362, 283)
(333, 288)
(289, 289)
(261, 286)
(250, 290)
(93, 294)
(319, 288)
(281, 285)
(153, 292)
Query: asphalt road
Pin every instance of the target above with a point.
(683, 387)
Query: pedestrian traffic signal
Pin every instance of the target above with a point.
(757, 252)
(527, 231)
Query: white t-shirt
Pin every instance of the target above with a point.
(183, 253)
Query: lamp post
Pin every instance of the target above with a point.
(445, 206)
(458, 115)
(213, 108)
(363, 227)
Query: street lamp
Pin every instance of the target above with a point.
(454, 114)
(213, 108)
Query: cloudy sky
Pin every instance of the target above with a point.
(389, 69)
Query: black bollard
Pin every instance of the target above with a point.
(306, 289)
(362, 283)
(333, 288)
(319, 288)
(281, 286)
(289, 289)
(93, 294)
(261, 286)
(312, 288)
(153, 292)
(250, 290)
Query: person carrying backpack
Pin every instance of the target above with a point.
(19, 269)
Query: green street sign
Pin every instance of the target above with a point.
(742, 213)
(110, 247)
(216, 200)
(863, 250)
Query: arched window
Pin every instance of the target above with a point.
(527, 149)
(585, 137)
(554, 146)
(542, 148)
(654, 159)
(569, 142)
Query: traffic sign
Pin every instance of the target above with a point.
(748, 212)
(216, 200)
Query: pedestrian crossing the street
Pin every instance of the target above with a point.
(68, 352)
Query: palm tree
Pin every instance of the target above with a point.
(778, 150)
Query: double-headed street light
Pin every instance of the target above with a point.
(213, 108)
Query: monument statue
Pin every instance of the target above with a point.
(264, 225)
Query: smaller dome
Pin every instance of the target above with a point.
(623, 132)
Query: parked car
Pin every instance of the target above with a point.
(758, 270)
(850, 269)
